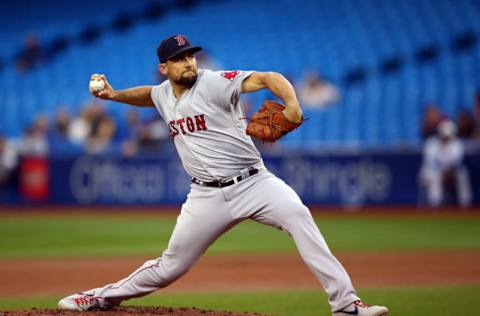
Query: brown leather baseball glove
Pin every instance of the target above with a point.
(269, 123)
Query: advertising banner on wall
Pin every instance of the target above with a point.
(350, 180)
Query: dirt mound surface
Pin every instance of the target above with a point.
(131, 310)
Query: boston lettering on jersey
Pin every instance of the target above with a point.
(188, 124)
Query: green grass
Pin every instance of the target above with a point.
(148, 235)
(83, 235)
(445, 301)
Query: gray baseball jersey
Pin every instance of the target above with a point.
(208, 125)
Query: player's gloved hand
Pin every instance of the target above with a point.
(106, 93)
(269, 123)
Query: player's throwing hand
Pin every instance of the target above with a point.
(100, 87)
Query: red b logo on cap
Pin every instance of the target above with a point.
(180, 40)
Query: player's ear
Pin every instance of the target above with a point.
(163, 69)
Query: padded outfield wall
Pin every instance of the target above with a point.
(349, 179)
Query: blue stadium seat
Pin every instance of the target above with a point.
(330, 37)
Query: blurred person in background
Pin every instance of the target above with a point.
(30, 55)
(443, 169)
(102, 129)
(132, 127)
(159, 131)
(59, 137)
(476, 116)
(315, 91)
(60, 128)
(432, 117)
(35, 141)
(79, 128)
(96, 115)
(154, 137)
(139, 138)
(85, 128)
(129, 148)
(466, 125)
(8, 162)
(129, 133)
(102, 136)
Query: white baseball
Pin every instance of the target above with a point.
(96, 83)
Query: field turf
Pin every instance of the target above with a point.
(78, 235)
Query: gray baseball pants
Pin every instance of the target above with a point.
(209, 212)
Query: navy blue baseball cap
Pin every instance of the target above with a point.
(173, 46)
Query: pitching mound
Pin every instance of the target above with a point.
(130, 310)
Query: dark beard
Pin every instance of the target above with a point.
(187, 82)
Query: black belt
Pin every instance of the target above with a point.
(226, 182)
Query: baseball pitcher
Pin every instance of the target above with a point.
(229, 180)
